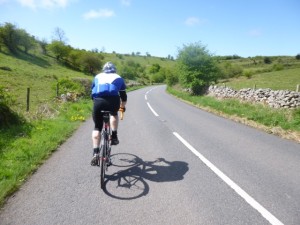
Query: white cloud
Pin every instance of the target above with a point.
(101, 13)
(126, 2)
(34, 4)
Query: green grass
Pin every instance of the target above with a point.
(282, 74)
(288, 120)
(24, 148)
(39, 73)
(277, 80)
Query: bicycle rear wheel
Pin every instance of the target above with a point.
(102, 165)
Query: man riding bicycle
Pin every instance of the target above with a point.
(108, 94)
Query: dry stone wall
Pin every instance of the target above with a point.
(275, 99)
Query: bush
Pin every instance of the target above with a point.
(7, 116)
(248, 73)
(278, 67)
(228, 70)
(267, 60)
(71, 86)
(198, 87)
(171, 79)
(196, 67)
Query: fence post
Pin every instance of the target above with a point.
(254, 87)
(28, 96)
(297, 88)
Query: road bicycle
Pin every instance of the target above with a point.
(103, 158)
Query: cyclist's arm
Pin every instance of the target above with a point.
(123, 96)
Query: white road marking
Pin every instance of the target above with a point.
(152, 109)
(251, 201)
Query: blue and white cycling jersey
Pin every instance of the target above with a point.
(107, 84)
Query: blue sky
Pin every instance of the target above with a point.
(161, 27)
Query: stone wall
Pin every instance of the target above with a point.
(275, 99)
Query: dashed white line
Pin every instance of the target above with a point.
(152, 109)
(265, 213)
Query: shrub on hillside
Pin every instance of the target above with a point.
(78, 86)
(267, 60)
(278, 67)
(248, 73)
(7, 116)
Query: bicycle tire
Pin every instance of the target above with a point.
(102, 166)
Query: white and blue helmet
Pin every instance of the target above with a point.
(109, 67)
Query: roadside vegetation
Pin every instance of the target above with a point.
(282, 122)
(45, 92)
(198, 70)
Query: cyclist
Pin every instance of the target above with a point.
(109, 94)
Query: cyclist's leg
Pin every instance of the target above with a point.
(98, 121)
(114, 119)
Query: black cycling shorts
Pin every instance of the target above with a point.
(106, 103)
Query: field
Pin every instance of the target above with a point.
(282, 74)
(39, 73)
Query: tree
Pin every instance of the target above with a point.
(43, 43)
(154, 68)
(25, 40)
(130, 70)
(298, 56)
(59, 49)
(9, 37)
(267, 60)
(91, 63)
(59, 35)
(197, 68)
(171, 78)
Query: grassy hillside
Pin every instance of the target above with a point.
(277, 80)
(281, 73)
(40, 73)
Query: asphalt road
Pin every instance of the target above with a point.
(175, 164)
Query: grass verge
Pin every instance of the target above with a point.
(282, 122)
(25, 147)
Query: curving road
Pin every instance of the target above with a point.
(175, 164)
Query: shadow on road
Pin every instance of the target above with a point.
(130, 181)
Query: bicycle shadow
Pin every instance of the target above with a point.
(130, 182)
